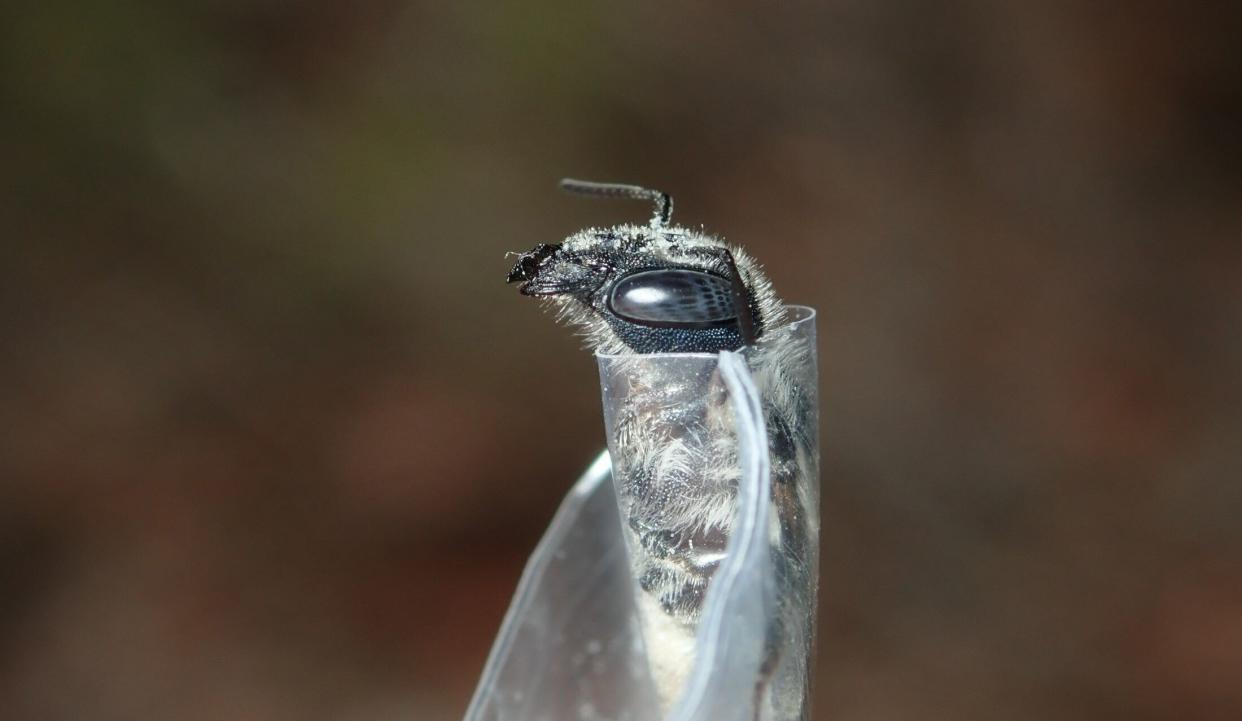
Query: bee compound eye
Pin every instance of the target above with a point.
(673, 298)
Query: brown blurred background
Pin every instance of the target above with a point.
(277, 438)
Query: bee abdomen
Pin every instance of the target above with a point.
(678, 590)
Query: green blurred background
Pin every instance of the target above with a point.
(277, 438)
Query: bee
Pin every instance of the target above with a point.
(635, 292)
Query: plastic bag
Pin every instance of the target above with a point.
(582, 640)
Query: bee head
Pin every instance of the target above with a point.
(647, 289)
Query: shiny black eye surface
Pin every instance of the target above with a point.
(673, 299)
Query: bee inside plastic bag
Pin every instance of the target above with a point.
(678, 580)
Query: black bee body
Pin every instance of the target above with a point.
(634, 291)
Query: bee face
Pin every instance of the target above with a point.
(668, 291)
(648, 289)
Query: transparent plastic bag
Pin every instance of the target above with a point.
(586, 636)
(569, 646)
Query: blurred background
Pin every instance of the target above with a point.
(277, 439)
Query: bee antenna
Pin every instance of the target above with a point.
(663, 203)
